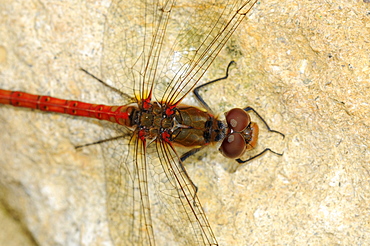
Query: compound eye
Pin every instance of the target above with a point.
(237, 119)
(233, 146)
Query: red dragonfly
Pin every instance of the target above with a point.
(150, 178)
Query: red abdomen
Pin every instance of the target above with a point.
(116, 114)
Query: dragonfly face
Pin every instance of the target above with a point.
(242, 134)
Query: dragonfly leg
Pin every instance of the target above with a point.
(106, 85)
(190, 153)
(269, 129)
(253, 157)
(182, 159)
(196, 90)
(264, 122)
(100, 141)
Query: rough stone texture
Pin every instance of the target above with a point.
(305, 66)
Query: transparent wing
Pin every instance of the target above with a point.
(181, 207)
(166, 46)
(134, 33)
(207, 29)
(151, 200)
(127, 194)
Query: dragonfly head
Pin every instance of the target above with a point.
(242, 134)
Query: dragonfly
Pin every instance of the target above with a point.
(163, 65)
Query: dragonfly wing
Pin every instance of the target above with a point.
(166, 45)
(150, 198)
(132, 44)
(177, 201)
(128, 207)
(204, 32)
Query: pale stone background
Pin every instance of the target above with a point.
(304, 65)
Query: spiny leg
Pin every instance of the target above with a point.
(269, 129)
(264, 122)
(196, 90)
(100, 141)
(259, 154)
(182, 159)
(105, 84)
(189, 153)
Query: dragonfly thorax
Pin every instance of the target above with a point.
(182, 125)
